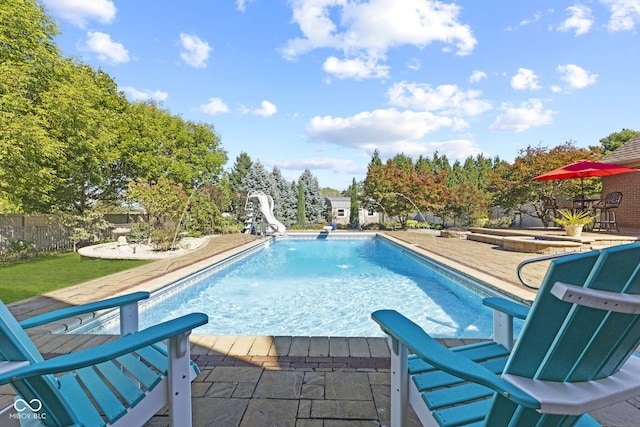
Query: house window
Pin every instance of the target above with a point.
(370, 212)
(342, 212)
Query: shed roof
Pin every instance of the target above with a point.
(338, 202)
(626, 154)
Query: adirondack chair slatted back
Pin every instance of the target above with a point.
(582, 343)
(565, 342)
(15, 345)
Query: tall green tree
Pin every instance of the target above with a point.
(258, 179)
(301, 211)
(28, 61)
(82, 112)
(354, 207)
(313, 200)
(239, 170)
(157, 143)
(616, 140)
(284, 199)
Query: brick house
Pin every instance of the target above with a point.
(628, 214)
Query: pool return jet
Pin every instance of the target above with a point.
(262, 203)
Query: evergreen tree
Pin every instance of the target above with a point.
(284, 198)
(240, 169)
(313, 200)
(301, 210)
(258, 179)
(375, 159)
(354, 217)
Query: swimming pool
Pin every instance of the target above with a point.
(321, 287)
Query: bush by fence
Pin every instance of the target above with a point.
(23, 236)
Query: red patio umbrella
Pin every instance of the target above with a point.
(584, 169)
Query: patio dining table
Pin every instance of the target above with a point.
(585, 203)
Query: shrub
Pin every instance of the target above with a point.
(504, 222)
(15, 250)
(162, 238)
(138, 232)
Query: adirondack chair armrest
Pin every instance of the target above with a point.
(506, 306)
(577, 398)
(414, 338)
(127, 344)
(120, 301)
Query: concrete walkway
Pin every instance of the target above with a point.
(289, 381)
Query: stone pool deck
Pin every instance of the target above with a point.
(290, 381)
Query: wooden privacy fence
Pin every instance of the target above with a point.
(40, 233)
(31, 233)
(40, 238)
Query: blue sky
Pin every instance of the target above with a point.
(320, 84)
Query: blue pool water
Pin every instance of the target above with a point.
(325, 288)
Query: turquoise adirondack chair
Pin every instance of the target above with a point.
(574, 353)
(123, 382)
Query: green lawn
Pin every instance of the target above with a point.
(40, 275)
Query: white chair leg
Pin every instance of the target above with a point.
(179, 386)
(399, 383)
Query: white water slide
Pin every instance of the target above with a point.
(266, 209)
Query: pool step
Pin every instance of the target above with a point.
(529, 244)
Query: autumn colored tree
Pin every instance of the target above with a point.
(401, 189)
(513, 186)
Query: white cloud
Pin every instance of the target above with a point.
(522, 117)
(195, 51)
(625, 14)
(79, 12)
(391, 132)
(106, 49)
(368, 130)
(477, 75)
(576, 77)
(536, 17)
(580, 20)
(214, 106)
(267, 109)
(337, 165)
(355, 68)
(453, 149)
(445, 99)
(366, 30)
(142, 95)
(414, 64)
(525, 79)
(241, 5)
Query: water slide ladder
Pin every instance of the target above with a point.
(262, 203)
